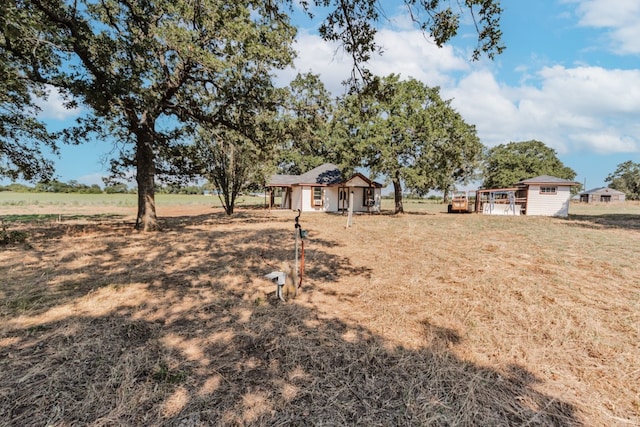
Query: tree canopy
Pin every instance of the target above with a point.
(149, 73)
(306, 115)
(22, 136)
(507, 164)
(626, 178)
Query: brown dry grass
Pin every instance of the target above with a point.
(419, 319)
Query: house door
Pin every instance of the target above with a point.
(343, 199)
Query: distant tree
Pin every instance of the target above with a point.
(626, 178)
(18, 188)
(74, 186)
(53, 186)
(231, 162)
(116, 189)
(406, 132)
(507, 164)
(191, 189)
(94, 189)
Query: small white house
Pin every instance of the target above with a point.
(543, 195)
(324, 190)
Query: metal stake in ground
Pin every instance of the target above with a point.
(300, 234)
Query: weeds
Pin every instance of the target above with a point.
(420, 319)
(163, 374)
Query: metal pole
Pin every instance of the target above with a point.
(297, 232)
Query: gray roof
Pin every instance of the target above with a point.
(326, 174)
(283, 180)
(546, 179)
(602, 190)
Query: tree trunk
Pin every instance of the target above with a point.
(145, 176)
(447, 192)
(397, 194)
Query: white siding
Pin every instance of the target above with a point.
(501, 209)
(305, 203)
(358, 198)
(296, 198)
(548, 204)
(301, 198)
(330, 199)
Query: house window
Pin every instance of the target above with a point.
(548, 190)
(317, 196)
(368, 198)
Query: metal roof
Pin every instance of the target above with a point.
(602, 190)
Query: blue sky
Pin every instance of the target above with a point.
(570, 77)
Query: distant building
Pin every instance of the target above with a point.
(602, 195)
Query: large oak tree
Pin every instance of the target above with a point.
(403, 130)
(151, 71)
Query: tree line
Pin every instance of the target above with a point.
(183, 87)
(55, 186)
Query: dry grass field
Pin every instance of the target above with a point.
(419, 319)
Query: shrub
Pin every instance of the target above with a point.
(8, 237)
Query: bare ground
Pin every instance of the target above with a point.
(419, 319)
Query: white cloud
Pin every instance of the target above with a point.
(620, 18)
(52, 107)
(579, 109)
(595, 89)
(410, 54)
(570, 109)
(407, 53)
(606, 141)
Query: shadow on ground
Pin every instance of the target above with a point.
(622, 221)
(165, 331)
